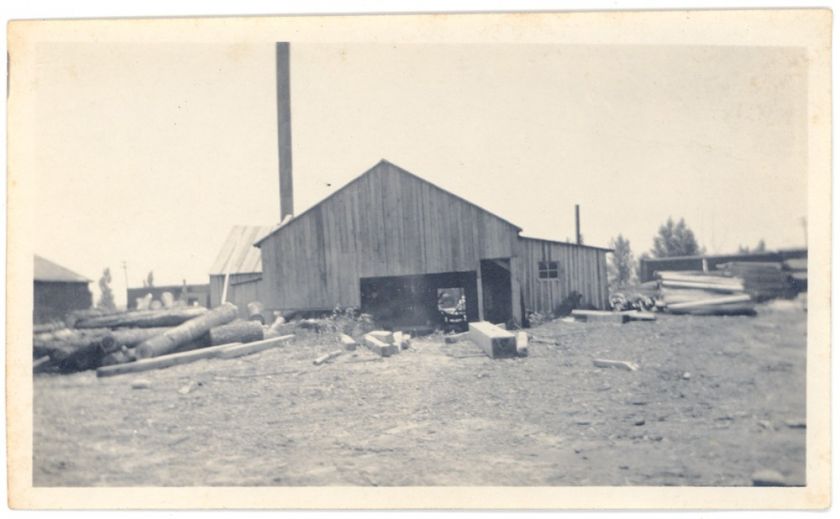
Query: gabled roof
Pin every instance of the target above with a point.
(368, 172)
(238, 254)
(46, 270)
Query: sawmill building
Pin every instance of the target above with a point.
(389, 242)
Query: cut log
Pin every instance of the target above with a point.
(144, 319)
(599, 315)
(237, 331)
(255, 312)
(254, 347)
(163, 361)
(379, 347)
(348, 342)
(494, 341)
(188, 331)
(327, 357)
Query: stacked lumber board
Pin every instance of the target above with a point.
(703, 293)
(762, 280)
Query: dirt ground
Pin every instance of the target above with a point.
(715, 399)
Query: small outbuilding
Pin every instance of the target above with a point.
(58, 291)
(239, 265)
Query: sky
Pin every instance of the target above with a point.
(149, 153)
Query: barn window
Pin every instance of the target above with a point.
(548, 270)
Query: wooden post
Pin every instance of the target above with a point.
(479, 292)
(515, 291)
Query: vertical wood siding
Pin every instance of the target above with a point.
(242, 289)
(581, 269)
(385, 223)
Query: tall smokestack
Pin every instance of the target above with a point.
(578, 239)
(284, 131)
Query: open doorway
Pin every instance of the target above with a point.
(415, 302)
(496, 290)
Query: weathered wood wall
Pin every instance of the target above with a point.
(242, 289)
(387, 222)
(54, 299)
(580, 268)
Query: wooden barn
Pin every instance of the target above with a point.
(389, 243)
(58, 291)
(239, 262)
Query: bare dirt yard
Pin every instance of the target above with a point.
(714, 400)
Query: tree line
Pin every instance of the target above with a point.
(672, 239)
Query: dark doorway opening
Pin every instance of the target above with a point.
(496, 289)
(412, 302)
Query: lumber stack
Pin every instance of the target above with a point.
(762, 280)
(703, 293)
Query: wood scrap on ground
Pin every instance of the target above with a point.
(379, 347)
(619, 364)
(327, 357)
(599, 315)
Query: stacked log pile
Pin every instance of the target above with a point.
(701, 293)
(90, 340)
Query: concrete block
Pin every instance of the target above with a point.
(494, 341)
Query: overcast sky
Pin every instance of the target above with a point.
(150, 153)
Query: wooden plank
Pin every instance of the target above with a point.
(599, 315)
(494, 341)
(380, 348)
(348, 342)
(254, 347)
(383, 335)
(164, 361)
(738, 298)
(323, 359)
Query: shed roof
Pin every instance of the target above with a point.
(46, 270)
(238, 254)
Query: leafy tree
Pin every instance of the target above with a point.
(622, 267)
(106, 298)
(150, 279)
(760, 247)
(675, 239)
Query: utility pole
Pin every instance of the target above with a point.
(804, 221)
(125, 273)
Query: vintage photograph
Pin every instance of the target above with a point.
(262, 260)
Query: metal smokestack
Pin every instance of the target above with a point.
(578, 239)
(284, 131)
